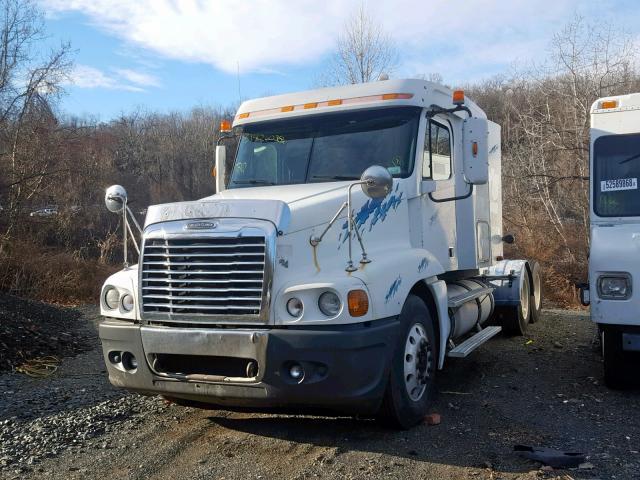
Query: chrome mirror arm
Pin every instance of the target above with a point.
(135, 222)
(350, 224)
(315, 240)
(125, 228)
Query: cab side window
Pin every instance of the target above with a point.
(436, 160)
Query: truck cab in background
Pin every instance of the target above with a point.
(614, 256)
(356, 245)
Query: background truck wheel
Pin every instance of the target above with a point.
(413, 368)
(535, 303)
(615, 376)
(515, 318)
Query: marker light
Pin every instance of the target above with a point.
(358, 303)
(328, 103)
(458, 97)
(225, 126)
(608, 104)
(474, 149)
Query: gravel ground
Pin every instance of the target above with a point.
(544, 389)
(30, 329)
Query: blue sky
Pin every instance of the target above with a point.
(176, 54)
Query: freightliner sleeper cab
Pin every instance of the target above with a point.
(356, 244)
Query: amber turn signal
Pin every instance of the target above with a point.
(358, 302)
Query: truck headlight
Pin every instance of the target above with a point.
(329, 304)
(295, 307)
(127, 302)
(614, 286)
(111, 298)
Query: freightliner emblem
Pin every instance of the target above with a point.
(201, 225)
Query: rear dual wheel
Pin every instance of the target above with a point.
(515, 318)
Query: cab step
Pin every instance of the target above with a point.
(471, 343)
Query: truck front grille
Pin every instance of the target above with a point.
(203, 276)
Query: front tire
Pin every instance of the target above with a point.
(613, 358)
(413, 368)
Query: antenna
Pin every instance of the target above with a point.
(238, 72)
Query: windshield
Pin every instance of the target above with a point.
(616, 164)
(324, 148)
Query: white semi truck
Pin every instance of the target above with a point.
(614, 255)
(356, 245)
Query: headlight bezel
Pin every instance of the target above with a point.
(615, 276)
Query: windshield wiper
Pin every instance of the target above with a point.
(632, 157)
(253, 182)
(333, 177)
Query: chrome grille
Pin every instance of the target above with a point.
(213, 276)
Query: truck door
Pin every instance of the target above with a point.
(439, 217)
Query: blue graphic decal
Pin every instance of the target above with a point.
(393, 289)
(374, 208)
(423, 265)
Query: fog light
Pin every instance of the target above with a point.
(296, 371)
(295, 307)
(129, 361)
(111, 298)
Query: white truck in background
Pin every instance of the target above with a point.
(357, 244)
(614, 255)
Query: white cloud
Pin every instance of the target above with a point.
(84, 76)
(449, 36)
(139, 78)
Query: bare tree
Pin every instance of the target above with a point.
(28, 83)
(544, 112)
(364, 52)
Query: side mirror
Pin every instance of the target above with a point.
(115, 198)
(584, 292)
(475, 141)
(377, 182)
(221, 157)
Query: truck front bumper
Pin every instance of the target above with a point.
(345, 368)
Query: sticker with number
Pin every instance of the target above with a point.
(619, 184)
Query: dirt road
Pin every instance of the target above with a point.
(544, 389)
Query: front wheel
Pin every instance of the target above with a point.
(413, 367)
(615, 375)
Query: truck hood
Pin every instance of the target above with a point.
(289, 207)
